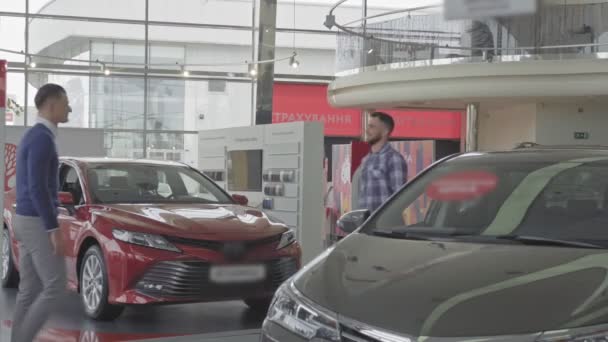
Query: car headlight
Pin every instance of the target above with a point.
(287, 239)
(143, 239)
(293, 312)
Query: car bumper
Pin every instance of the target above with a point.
(191, 281)
(272, 332)
(144, 276)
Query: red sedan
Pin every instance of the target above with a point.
(146, 232)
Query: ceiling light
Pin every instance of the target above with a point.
(330, 21)
(185, 72)
(104, 70)
(253, 71)
(31, 62)
(294, 62)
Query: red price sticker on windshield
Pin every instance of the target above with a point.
(462, 186)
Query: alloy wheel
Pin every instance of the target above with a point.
(92, 283)
(6, 254)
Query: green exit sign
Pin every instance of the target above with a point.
(581, 135)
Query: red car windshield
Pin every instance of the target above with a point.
(140, 183)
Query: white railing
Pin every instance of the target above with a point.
(418, 38)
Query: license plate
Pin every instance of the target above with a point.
(231, 274)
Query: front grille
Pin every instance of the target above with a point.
(219, 245)
(189, 280)
(281, 270)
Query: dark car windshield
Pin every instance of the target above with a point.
(139, 183)
(496, 195)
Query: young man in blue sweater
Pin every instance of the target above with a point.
(36, 228)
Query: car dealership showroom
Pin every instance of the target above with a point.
(304, 170)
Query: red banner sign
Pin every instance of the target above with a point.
(308, 102)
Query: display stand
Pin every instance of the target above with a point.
(278, 167)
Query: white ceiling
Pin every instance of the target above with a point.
(377, 3)
(35, 5)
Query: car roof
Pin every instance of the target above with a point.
(102, 160)
(537, 153)
(536, 146)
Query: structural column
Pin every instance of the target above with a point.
(366, 43)
(266, 52)
(364, 121)
(472, 126)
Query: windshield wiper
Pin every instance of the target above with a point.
(401, 235)
(523, 239)
(543, 241)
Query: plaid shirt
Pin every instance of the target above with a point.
(382, 174)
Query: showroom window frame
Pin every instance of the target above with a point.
(56, 68)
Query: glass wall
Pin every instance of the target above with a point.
(116, 103)
(196, 77)
(124, 144)
(153, 73)
(13, 27)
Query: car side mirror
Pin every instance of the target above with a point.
(240, 199)
(351, 221)
(66, 200)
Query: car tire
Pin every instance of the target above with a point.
(258, 305)
(94, 288)
(9, 278)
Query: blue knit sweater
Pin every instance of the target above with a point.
(38, 176)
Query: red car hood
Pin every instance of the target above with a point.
(196, 220)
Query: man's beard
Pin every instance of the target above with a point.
(373, 140)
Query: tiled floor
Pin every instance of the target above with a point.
(217, 322)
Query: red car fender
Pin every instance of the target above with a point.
(99, 230)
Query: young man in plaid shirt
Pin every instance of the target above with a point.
(383, 170)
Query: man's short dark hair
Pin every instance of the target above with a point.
(386, 119)
(46, 92)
